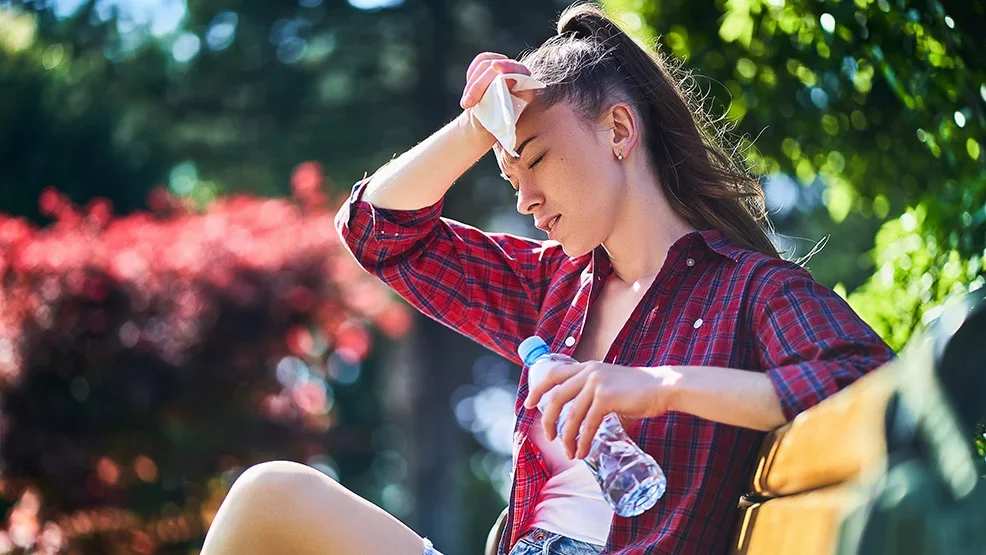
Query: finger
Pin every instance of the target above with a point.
(511, 66)
(480, 69)
(575, 414)
(551, 378)
(479, 59)
(561, 394)
(590, 425)
(475, 90)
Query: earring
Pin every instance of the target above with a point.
(619, 156)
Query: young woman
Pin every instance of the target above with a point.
(657, 274)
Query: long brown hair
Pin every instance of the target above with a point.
(592, 63)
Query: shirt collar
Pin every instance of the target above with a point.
(710, 239)
(721, 244)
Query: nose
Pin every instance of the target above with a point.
(528, 200)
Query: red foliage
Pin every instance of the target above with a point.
(170, 319)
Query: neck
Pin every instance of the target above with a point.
(646, 227)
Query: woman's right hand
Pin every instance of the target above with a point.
(483, 69)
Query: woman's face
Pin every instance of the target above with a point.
(567, 176)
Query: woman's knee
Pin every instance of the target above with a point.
(279, 483)
(287, 507)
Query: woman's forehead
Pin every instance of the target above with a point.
(542, 123)
(538, 116)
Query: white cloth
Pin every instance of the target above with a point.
(571, 502)
(498, 110)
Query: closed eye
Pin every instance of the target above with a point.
(536, 161)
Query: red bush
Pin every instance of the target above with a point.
(141, 356)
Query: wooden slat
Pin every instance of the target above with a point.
(802, 524)
(830, 443)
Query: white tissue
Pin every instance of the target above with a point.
(499, 110)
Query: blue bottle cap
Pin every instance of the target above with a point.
(531, 349)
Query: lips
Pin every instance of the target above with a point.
(547, 224)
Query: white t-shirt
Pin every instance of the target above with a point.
(570, 503)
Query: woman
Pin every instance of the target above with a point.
(657, 273)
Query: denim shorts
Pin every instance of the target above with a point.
(541, 542)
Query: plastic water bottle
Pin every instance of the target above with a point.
(630, 479)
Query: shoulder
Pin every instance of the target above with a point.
(772, 287)
(754, 268)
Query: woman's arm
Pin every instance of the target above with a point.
(489, 287)
(735, 397)
(727, 395)
(421, 176)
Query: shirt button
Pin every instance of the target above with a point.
(690, 262)
(569, 341)
(698, 323)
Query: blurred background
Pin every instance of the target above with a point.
(175, 304)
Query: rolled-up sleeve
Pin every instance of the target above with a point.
(812, 343)
(489, 287)
(374, 234)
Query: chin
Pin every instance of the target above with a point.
(576, 249)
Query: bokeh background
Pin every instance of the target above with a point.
(175, 305)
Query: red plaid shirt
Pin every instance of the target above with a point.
(714, 303)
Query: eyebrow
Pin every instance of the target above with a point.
(520, 149)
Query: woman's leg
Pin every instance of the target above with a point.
(284, 507)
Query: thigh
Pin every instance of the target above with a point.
(282, 507)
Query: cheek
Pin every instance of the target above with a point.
(595, 186)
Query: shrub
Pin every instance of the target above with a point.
(144, 356)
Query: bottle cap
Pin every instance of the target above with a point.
(531, 349)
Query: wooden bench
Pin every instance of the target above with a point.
(882, 460)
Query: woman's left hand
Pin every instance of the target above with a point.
(599, 389)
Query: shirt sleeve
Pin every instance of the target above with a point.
(489, 287)
(812, 343)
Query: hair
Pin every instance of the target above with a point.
(592, 63)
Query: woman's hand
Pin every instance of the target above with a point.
(599, 389)
(483, 69)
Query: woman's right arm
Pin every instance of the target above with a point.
(421, 176)
(486, 286)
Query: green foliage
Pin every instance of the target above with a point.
(916, 273)
(59, 111)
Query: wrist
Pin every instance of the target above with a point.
(474, 131)
(669, 387)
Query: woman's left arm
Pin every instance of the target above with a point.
(735, 397)
(809, 345)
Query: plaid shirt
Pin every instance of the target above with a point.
(714, 303)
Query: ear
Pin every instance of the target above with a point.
(623, 129)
